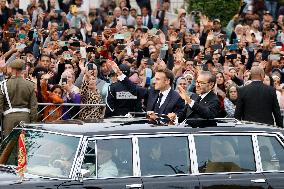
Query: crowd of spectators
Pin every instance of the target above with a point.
(68, 50)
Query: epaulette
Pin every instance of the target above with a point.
(28, 79)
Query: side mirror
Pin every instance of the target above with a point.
(83, 174)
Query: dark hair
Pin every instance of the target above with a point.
(56, 87)
(169, 75)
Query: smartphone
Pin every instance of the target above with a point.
(216, 46)
(94, 34)
(163, 54)
(90, 49)
(67, 57)
(137, 42)
(75, 44)
(207, 57)
(24, 58)
(232, 56)
(119, 36)
(195, 46)
(110, 13)
(148, 75)
(144, 29)
(165, 47)
(278, 43)
(83, 52)
(90, 66)
(64, 80)
(150, 61)
(274, 57)
(21, 46)
(232, 47)
(205, 67)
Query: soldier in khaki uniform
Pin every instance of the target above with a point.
(18, 101)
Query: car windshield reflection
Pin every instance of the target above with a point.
(48, 154)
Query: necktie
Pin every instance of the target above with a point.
(157, 105)
(144, 22)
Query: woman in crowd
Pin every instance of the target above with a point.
(71, 93)
(53, 112)
(230, 100)
(273, 82)
(90, 95)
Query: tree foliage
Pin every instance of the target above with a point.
(221, 9)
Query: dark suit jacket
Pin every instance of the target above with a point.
(257, 102)
(173, 103)
(207, 108)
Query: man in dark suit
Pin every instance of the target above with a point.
(161, 99)
(204, 104)
(257, 102)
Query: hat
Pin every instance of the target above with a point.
(125, 69)
(216, 20)
(17, 64)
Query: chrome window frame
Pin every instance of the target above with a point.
(277, 136)
(95, 139)
(226, 134)
(160, 135)
(70, 176)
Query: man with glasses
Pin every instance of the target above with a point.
(205, 103)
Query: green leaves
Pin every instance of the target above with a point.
(221, 9)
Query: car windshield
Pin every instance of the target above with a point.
(48, 154)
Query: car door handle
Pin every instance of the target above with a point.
(258, 181)
(133, 186)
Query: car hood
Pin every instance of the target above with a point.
(9, 176)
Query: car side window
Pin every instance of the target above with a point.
(271, 153)
(114, 158)
(224, 153)
(164, 156)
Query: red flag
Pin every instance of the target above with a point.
(22, 155)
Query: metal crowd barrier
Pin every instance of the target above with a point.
(282, 113)
(69, 107)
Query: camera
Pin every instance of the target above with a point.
(64, 80)
(195, 13)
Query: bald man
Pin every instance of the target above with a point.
(258, 102)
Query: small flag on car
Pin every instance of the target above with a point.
(22, 155)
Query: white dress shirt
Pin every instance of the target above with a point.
(165, 94)
(202, 96)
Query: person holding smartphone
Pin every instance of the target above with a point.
(90, 94)
(71, 93)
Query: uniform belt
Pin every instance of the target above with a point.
(14, 110)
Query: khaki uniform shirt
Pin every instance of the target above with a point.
(21, 94)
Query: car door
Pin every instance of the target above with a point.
(165, 162)
(114, 166)
(227, 161)
(272, 159)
